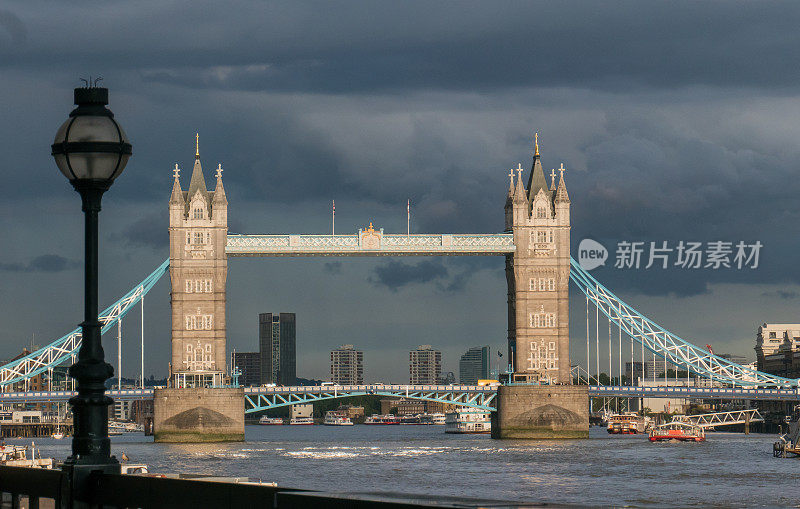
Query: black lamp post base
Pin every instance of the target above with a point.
(81, 482)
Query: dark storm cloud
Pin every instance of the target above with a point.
(649, 182)
(43, 263)
(149, 231)
(356, 46)
(450, 276)
(396, 274)
(781, 294)
(12, 27)
(332, 267)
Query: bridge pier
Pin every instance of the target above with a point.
(198, 415)
(541, 412)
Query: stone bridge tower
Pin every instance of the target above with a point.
(198, 232)
(538, 276)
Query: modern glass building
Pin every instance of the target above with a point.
(474, 365)
(277, 348)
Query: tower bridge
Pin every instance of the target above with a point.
(535, 242)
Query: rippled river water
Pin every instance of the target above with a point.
(727, 470)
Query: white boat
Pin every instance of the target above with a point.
(270, 421)
(467, 421)
(57, 435)
(628, 424)
(382, 419)
(438, 418)
(302, 421)
(334, 418)
(17, 456)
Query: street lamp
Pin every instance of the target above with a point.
(91, 150)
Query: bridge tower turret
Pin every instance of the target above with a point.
(198, 231)
(538, 277)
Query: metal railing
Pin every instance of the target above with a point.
(34, 488)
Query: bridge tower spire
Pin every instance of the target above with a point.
(537, 275)
(198, 232)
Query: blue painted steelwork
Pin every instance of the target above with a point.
(764, 394)
(259, 398)
(61, 350)
(666, 344)
(265, 398)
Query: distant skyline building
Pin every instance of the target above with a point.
(277, 343)
(249, 363)
(424, 366)
(474, 365)
(347, 366)
(778, 349)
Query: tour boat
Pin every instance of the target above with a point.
(270, 421)
(382, 419)
(302, 421)
(627, 424)
(410, 419)
(57, 435)
(467, 421)
(675, 430)
(334, 418)
(438, 418)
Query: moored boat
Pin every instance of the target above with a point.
(627, 424)
(377, 419)
(334, 418)
(302, 421)
(270, 421)
(680, 431)
(467, 421)
(17, 456)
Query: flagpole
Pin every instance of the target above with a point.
(408, 220)
(333, 219)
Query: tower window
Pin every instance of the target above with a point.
(541, 212)
(197, 213)
(540, 320)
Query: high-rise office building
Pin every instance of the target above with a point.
(277, 348)
(347, 366)
(249, 364)
(474, 365)
(425, 365)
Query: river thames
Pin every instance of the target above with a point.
(728, 469)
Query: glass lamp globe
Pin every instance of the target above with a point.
(90, 145)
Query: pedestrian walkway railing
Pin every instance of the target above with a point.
(36, 488)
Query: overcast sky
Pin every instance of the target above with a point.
(675, 121)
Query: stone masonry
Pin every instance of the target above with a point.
(198, 415)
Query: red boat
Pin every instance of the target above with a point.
(679, 431)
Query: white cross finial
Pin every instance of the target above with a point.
(519, 169)
(552, 177)
(511, 176)
(219, 171)
(176, 172)
(562, 171)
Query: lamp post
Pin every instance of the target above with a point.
(91, 150)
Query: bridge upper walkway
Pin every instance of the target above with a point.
(371, 243)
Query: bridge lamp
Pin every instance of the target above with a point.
(91, 150)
